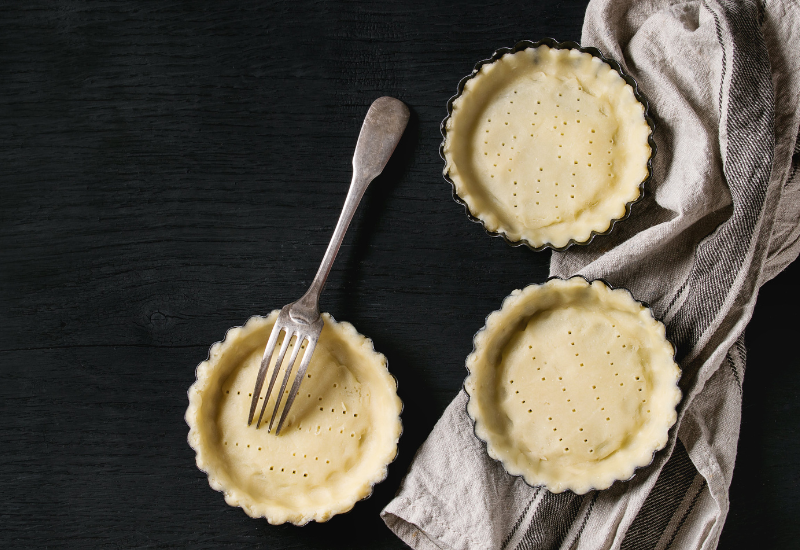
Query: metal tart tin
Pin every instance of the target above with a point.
(552, 43)
(485, 444)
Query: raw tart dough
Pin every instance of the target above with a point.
(547, 146)
(338, 440)
(572, 385)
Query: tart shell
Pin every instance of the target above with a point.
(515, 313)
(206, 433)
(551, 43)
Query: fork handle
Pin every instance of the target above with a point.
(384, 124)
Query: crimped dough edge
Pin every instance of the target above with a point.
(498, 330)
(495, 216)
(218, 479)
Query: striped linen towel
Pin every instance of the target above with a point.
(721, 218)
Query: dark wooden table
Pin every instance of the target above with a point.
(169, 169)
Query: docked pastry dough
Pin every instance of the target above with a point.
(338, 440)
(572, 385)
(547, 146)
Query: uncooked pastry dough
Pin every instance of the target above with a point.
(572, 385)
(338, 440)
(547, 146)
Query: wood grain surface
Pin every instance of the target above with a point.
(169, 169)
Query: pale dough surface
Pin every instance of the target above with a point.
(573, 385)
(547, 145)
(338, 440)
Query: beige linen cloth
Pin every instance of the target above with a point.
(719, 219)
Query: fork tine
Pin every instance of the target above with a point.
(301, 372)
(262, 370)
(286, 377)
(277, 367)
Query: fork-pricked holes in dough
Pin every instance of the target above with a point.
(327, 459)
(561, 400)
(504, 93)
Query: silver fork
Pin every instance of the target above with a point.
(380, 133)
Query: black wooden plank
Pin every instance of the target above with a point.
(169, 169)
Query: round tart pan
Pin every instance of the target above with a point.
(238, 459)
(554, 44)
(524, 445)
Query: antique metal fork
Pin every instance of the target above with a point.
(380, 133)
